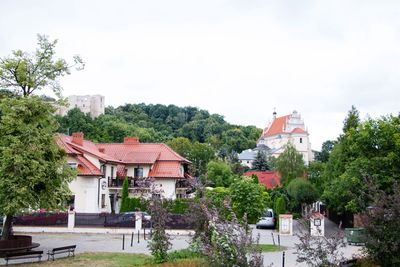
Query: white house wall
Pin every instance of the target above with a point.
(167, 186)
(85, 190)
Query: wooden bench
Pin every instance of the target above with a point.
(59, 250)
(23, 255)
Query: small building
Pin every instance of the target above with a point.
(102, 169)
(92, 104)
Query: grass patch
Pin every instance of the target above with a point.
(117, 259)
(270, 248)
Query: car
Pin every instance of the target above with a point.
(146, 216)
(267, 220)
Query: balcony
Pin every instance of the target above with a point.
(133, 183)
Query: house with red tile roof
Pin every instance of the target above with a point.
(102, 168)
(288, 128)
(269, 179)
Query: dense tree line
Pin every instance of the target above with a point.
(161, 123)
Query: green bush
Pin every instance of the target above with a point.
(177, 206)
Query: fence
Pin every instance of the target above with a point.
(174, 221)
(42, 219)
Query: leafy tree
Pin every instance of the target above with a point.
(219, 174)
(382, 226)
(33, 169)
(26, 73)
(315, 175)
(326, 150)
(260, 162)
(249, 198)
(290, 164)
(125, 196)
(373, 150)
(302, 191)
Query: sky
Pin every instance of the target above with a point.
(240, 59)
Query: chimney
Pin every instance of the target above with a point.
(131, 140)
(77, 138)
(101, 149)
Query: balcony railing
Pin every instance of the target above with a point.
(114, 182)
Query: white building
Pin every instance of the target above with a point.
(280, 131)
(92, 104)
(103, 167)
(289, 128)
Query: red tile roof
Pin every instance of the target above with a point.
(298, 130)
(277, 126)
(86, 168)
(166, 169)
(268, 179)
(165, 162)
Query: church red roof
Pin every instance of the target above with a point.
(277, 126)
(268, 179)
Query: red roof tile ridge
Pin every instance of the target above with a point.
(176, 154)
(97, 153)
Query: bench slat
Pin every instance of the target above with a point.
(64, 248)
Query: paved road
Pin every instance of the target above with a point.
(113, 243)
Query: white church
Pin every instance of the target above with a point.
(280, 131)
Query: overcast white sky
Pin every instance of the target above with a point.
(240, 59)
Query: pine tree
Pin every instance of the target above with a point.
(125, 196)
(260, 162)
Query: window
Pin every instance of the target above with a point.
(103, 169)
(73, 165)
(301, 140)
(103, 201)
(138, 172)
(112, 172)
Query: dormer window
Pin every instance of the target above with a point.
(73, 165)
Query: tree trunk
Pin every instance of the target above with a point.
(7, 233)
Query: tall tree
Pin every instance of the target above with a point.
(219, 174)
(352, 120)
(26, 73)
(260, 162)
(326, 150)
(33, 169)
(125, 196)
(290, 164)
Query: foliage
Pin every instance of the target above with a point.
(136, 204)
(219, 174)
(25, 73)
(279, 208)
(178, 206)
(216, 198)
(227, 242)
(315, 175)
(302, 191)
(159, 243)
(249, 198)
(382, 226)
(326, 150)
(352, 120)
(193, 133)
(260, 162)
(372, 149)
(33, 169)
(125, 196)
(320, 251)
(290, 164)
(187, 253)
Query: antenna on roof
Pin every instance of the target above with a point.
(274, 113)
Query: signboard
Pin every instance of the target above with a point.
(317, 225)
(286, 224)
